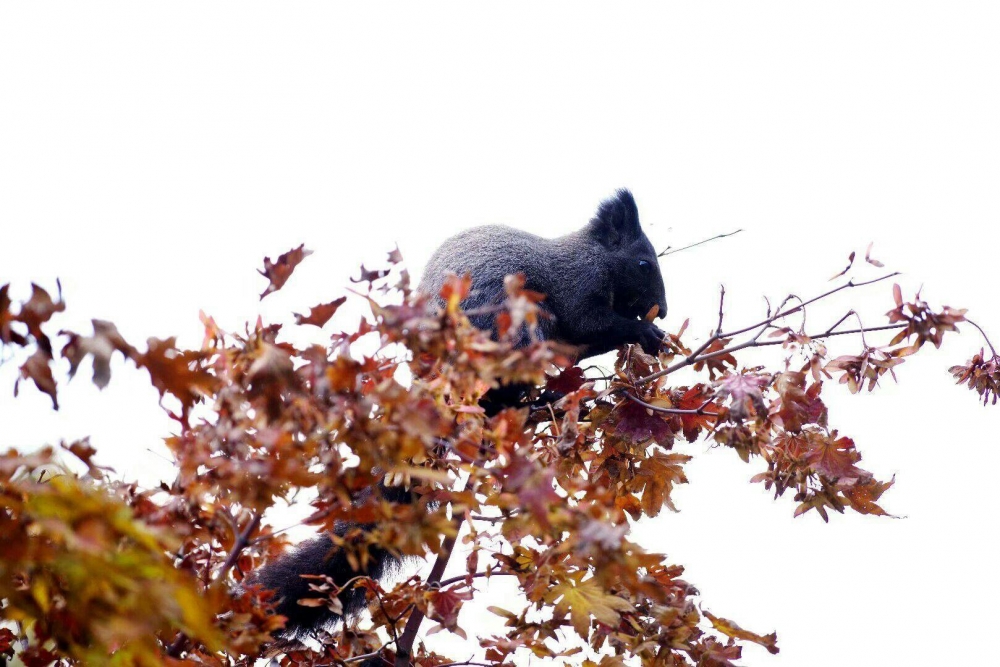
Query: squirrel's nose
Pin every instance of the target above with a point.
(662, 312)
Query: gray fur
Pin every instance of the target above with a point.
(595, 290)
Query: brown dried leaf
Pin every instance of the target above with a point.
(280, 271)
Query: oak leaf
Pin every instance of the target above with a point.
(279, 271)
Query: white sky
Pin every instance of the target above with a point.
(150, 156)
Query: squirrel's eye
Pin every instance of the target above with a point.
(645, 266)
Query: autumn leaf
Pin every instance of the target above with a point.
(730, 629)
(797, 405)
(569, 380)
(105, 342)
(278, 272)
(7, 334)
(177, 372)
(585, 599)
(321, 314)
(37, 369)
(715, 360)
(694, 399)
(745, 394)
(863, 494)
(369, 275)
(637, 424)
(658, 474)
(444, 605)
(833, 456)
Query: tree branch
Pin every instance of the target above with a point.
(405, 644)
(675, 411)
(242, 542)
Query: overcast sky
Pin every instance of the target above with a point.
(151, 157)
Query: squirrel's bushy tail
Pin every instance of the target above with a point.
(319, 556)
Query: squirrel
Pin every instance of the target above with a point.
(599, 284)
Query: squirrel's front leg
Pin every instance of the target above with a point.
(599, 329)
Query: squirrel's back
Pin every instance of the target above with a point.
(488, 254)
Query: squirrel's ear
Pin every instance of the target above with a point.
(616, 220)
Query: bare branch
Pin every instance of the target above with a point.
(405, 644)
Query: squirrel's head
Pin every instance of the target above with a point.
(632, 259)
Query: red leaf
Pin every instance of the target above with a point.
(37, 369)
(568, 380)
(280, 271)
(321, 314)
(637, 424)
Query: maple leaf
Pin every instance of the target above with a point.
(717, 654)
(637, 424)
(569, 380)
(278, 272)
(584, 600)
(321, 314)
(833, 456)
(797, 405)
(745, 393)
(695, 398)
(716, 364)
(37, 369)
(39, 309)
(862, 494)
(732, 630)
(444, 605)
(105, 341)
(177, 372)
(659, 473)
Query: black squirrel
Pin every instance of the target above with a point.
(600, 282)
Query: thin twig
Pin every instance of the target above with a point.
(494, 519)
(722, 298)
(698, 355)
(368, 656)
(675, 411)
(985, 337)
(463, 577)
(783, 313)
(668, 251)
